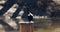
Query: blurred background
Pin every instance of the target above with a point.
(46, 16)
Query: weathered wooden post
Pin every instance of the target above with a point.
(26, 26)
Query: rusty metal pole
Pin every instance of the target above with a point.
(26, 27)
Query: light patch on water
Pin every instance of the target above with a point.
(2, 1)
(1, 7)
(57, 1)
(11, 22)
(12, 9)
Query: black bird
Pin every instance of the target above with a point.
(30, 17)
